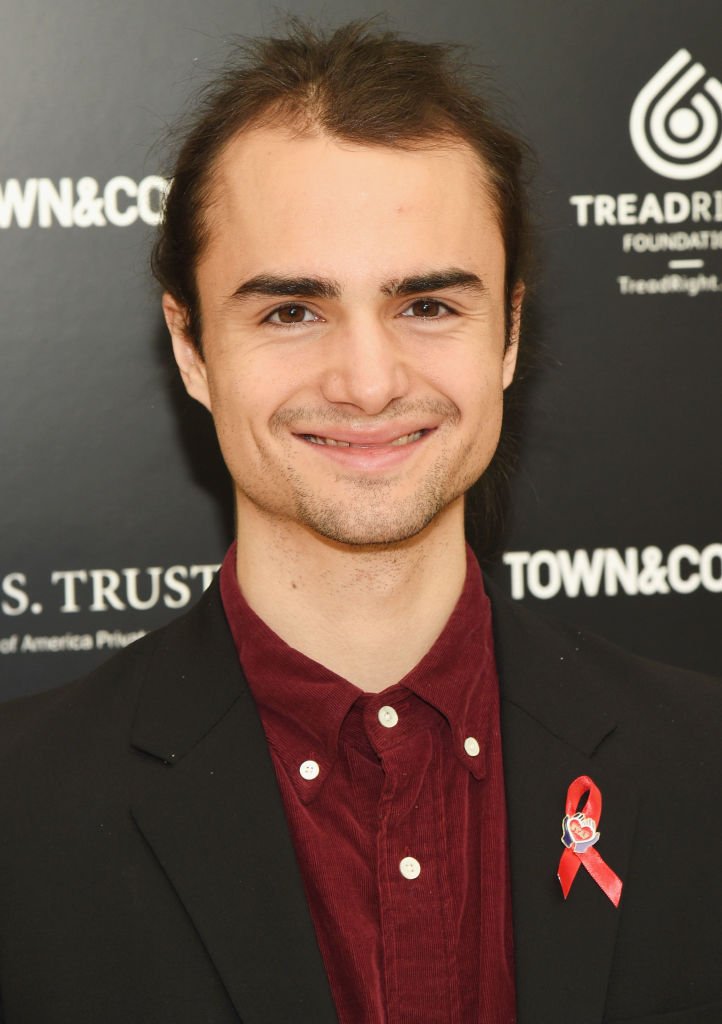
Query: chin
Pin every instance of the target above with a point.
(375, 537)
(372, 524)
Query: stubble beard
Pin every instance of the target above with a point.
(365, 518)
(371, 514)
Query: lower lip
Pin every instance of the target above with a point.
(376, 457)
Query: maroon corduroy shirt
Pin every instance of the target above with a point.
(395, 804)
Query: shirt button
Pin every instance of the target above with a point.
(309, 770)
(471, 746)
(388, 716)
(410, 867)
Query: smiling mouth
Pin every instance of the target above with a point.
(396, 443)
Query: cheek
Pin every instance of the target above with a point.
(231, 406)
(245, 393)
(486, 416)
(476, 389)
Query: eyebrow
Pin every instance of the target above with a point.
(434, 281)
(298, 287)
(325, 288)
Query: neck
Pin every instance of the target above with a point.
(367, 614)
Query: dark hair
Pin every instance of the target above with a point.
(365, 85)
(356, 84)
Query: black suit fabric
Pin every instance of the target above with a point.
(147, 873)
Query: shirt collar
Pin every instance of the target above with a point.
(303, 705)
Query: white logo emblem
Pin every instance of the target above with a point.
(676, 124)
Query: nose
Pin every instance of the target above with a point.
(365, 366)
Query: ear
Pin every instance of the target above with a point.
(190, 362)
(512, 348)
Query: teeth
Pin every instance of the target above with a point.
(327, 440)
(406, 439)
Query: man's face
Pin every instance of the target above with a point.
(353, 312)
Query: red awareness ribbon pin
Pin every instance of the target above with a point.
(579, 836)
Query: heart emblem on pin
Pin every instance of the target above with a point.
(579, 833)
(582, 830)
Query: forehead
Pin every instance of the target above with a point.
(295, 200)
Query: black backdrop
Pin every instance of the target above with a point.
(115, 507)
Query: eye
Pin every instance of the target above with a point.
(427, 309)
(292, 313)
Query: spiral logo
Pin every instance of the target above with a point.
(676, 122)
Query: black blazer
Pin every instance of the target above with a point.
(147, 874)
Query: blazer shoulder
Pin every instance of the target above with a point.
(106, 698)
(568, 676)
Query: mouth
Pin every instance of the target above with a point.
(368, 445)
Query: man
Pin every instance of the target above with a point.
(291, 804)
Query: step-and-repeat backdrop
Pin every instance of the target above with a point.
(116, 511)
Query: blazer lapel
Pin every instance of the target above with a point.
(557, 725)
(208, 804)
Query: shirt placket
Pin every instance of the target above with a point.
(415, 901)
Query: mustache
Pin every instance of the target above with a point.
(330, 415)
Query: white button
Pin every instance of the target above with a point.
(309, 770)
(410, 867)
(471, 746)
(388, 716)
